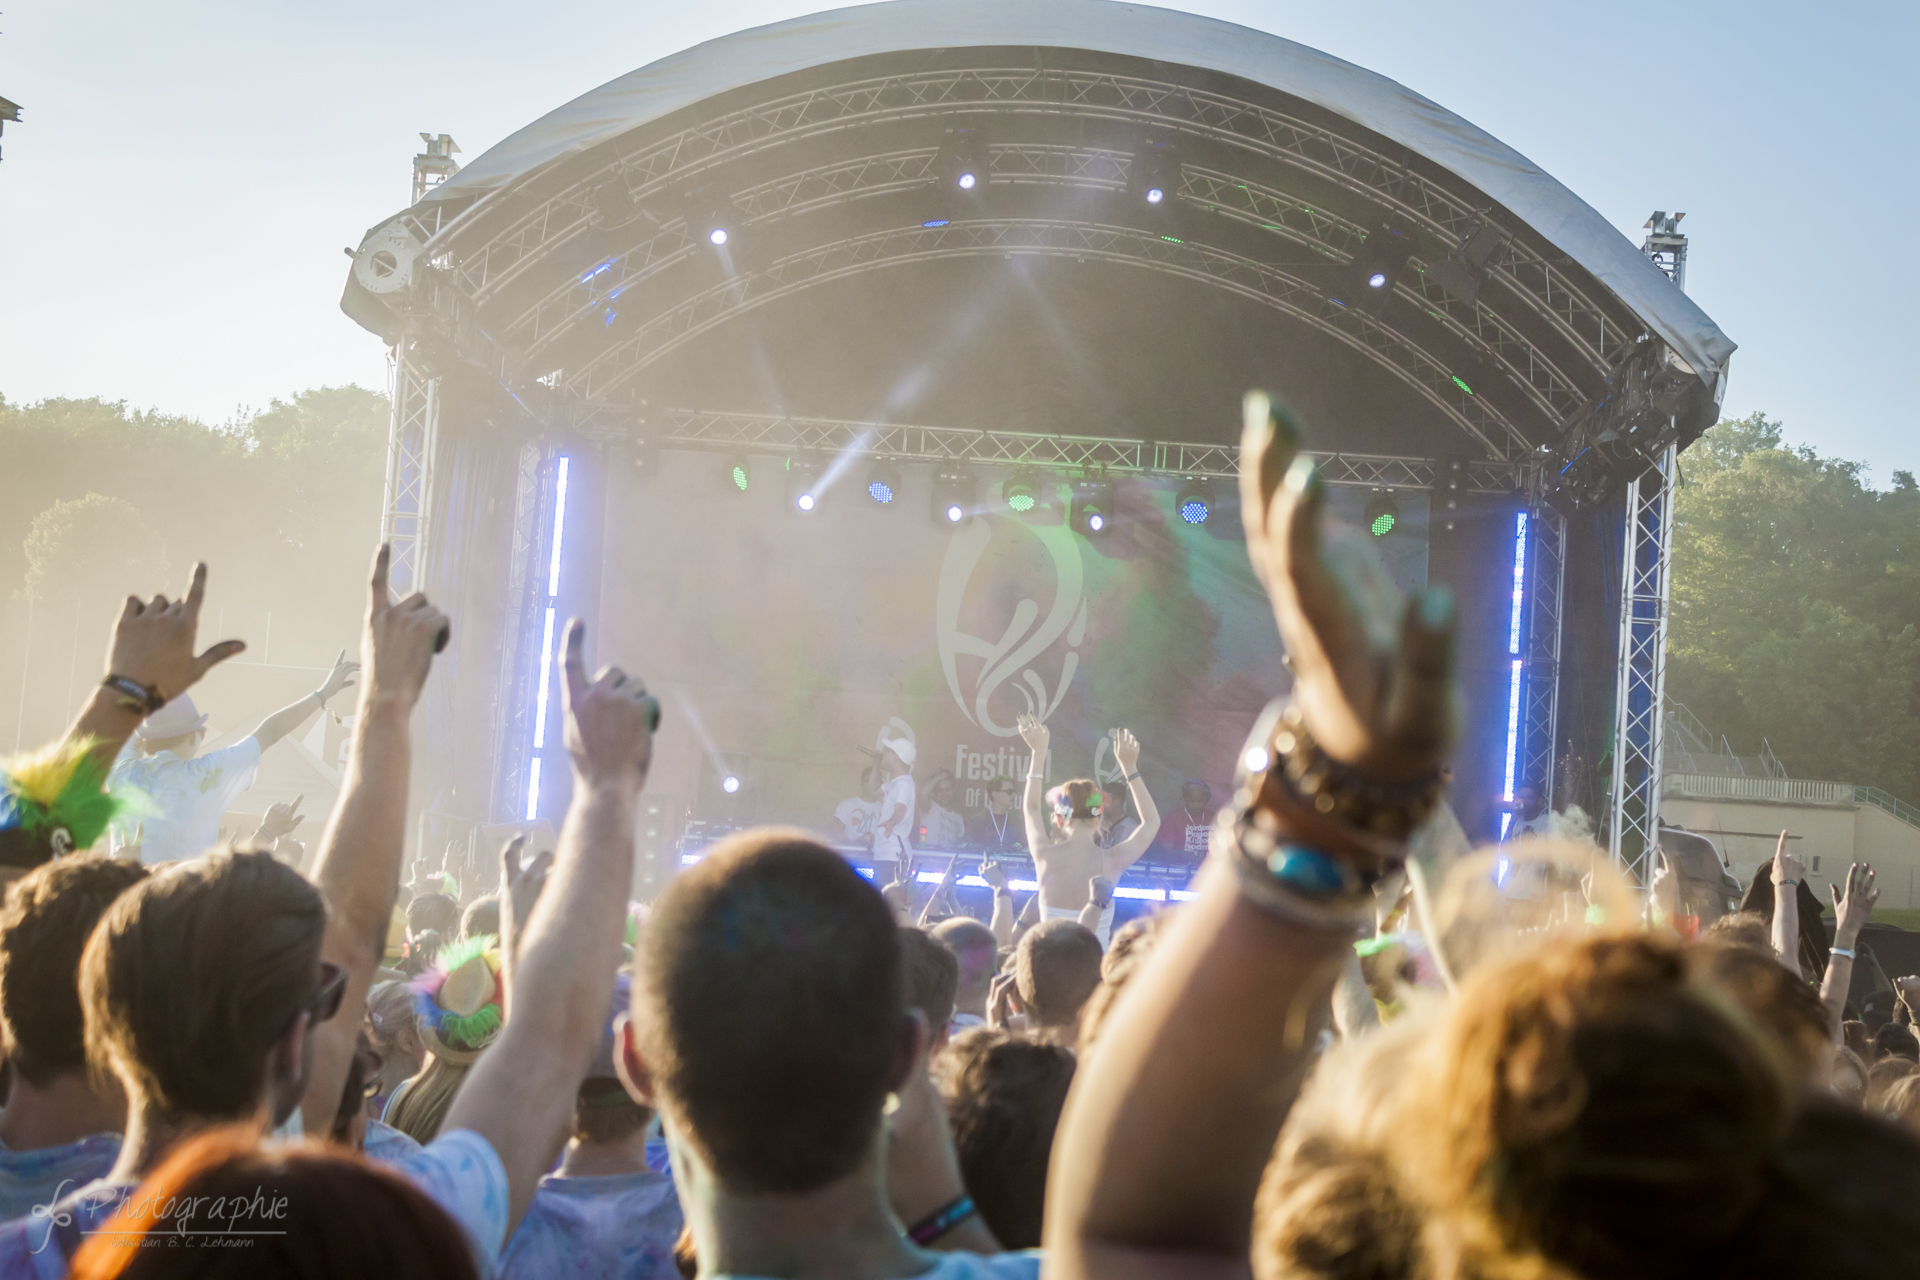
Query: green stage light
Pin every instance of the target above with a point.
(1382, 515)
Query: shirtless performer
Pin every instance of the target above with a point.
(1065, 852)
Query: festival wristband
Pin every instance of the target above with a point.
(1843, 951)
(941, 1221)
(148, 698)
(1133, 777)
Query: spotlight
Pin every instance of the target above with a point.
(712, 217)
(953, 497)
(1154, 174)
(883, 482)
(1382, 515)
(963, 159)
(804, 502)
(716, 238)
(1193, 502)
(730, 784)
(1377, 264)
(737, 473)
(1092, 507)
(803, 488)
(1021, 492)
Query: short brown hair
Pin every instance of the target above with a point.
(343, 1217)
(49, 914)
(1004, 1094)
(769, 1004)
(933, 977)
(1055, 968)
(194, 973)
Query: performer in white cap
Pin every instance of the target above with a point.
(897, 809)
(188, 792)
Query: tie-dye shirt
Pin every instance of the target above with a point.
(38, 1178)
(619, 1227)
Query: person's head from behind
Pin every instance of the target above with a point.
(933, 975)
(1131, 945)
(1778, 1003)
(604, 1114)
(393, 1023)
(434, 912)
(482, 918)
(177, 729)
(1896, 1041)
(769, 1019)
(44, 926)
(1849, 1078)
(1882, 1076)
(1901, 1102)
(1004, 1094)
(1055, 969)
(1076, 803)
(976, 953)
(312, 1212)
(1747, 929)
(201, 985)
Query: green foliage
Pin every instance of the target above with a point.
(1796, 607)
(283, 505)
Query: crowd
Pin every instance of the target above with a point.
(1345, 1057)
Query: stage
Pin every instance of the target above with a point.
(659, 353)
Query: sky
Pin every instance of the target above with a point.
(174, 204)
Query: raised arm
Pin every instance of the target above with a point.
(1174, 1114)
(1787, 875)
(358, 866)
(519, 1095)
(151, 650)
(288, 718)
(1126, 752)
(1002, 923)
(1851, 912)
(1033, 805)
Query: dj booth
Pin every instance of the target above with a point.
(1145, 887)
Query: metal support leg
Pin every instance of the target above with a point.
(412, 442)
(1641, 677)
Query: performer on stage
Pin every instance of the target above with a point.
(894, 823)
(1194, 821)
(999, 828)
(1065, 850)
(940, 826)
(854, 817)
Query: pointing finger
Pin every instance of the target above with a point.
(377, 588)
(573, 661)
(196, 590)
(218, 654)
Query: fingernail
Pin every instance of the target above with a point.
(1302, 475)
(1436, 607)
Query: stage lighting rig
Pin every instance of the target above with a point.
(883, 482)
(954, 495)
(964, 163)
(1194, 502)
(1092, 507)
(712, 220)
(1382, 514)
(1368, 281)
(804, 495)
(1021, 492)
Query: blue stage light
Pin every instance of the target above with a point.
(967, 181)
(1193, 502)
(1378, 280)
(883, 482)
(1515, 661)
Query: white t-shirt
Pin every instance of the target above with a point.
(896, 797)
(966, 1266)
(856, 815)
(185, 798)
(945, 828)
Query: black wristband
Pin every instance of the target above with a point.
(149, 698)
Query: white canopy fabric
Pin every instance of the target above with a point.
(1132, 30)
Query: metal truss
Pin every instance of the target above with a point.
(412, 443)
(1540, 708)
(512, 712)
(721, 432)
(1641, 675)
(489, 258)
(1259, 281)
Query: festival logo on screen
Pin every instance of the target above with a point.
(994, 680)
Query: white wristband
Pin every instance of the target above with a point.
(1842, 951)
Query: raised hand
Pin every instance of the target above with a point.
(280, 819)
(1034, 734)
(520, 888)
(1786, 868)
(1100, 890)
(1126, 750)
(994, 874)
(1375, 695)
(1852, 909)
(153, 642)
(339, 679)
(1003, 1002)
(610, 720)
(400, 640)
